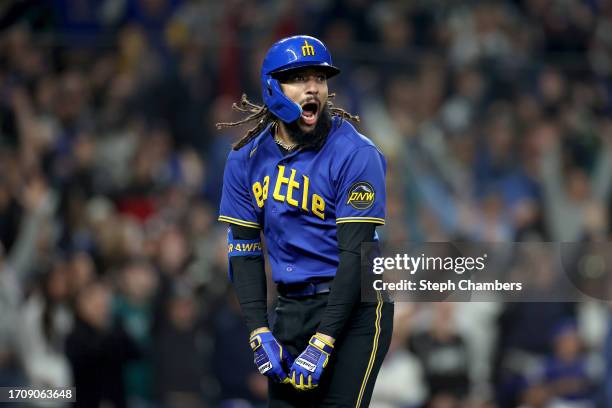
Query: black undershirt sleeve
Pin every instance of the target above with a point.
(249, 278)
(346, 287)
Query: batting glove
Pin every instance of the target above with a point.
(270, 358)
(307, 369)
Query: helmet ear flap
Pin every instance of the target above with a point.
(278, 103)
(269, 87)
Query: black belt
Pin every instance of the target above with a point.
(304, 289)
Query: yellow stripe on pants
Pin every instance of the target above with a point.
(374, 349)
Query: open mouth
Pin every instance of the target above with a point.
(310, 112)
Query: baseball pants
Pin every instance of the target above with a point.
(348, 380)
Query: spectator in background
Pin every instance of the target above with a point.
(239, 380)
(565, 378)
(172, 254)
(179, 353)
(79, 185)
(567, 373)
(10, 297)
(202, 241)
(81, 272)
(98, 350)
(171, 257)
(569, 201)
(10, 212)
(134, 307)
(138, 199)
(35, 245)
(46, 320)
(443, 355)
(43, 320)
(525, 331)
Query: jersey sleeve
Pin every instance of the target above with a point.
(361, 190)
(236, 206)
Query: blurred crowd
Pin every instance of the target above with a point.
(494, 116)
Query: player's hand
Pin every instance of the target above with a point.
(271, 359)
(306, 371)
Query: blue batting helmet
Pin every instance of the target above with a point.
(285, 55)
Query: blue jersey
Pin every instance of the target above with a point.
(299, 198)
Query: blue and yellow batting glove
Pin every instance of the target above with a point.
(307, 368)
(270, 358)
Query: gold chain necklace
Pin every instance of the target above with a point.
(282, 144)
(285, 145)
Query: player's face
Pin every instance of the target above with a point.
(308, 88)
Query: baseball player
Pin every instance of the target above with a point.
(316, 188)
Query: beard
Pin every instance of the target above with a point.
(314, 138)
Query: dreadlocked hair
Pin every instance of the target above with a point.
(263, 117)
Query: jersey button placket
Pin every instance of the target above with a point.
(277, 208)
